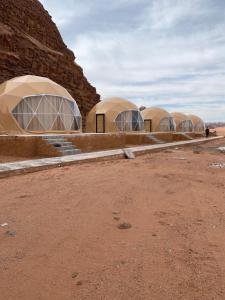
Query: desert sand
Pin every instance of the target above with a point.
(62, 240)
(219, 130)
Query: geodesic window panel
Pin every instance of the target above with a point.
(186, 126)
(130, 120)
(199, 127)
(47, 112)
(167, 124)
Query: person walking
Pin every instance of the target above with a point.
(207, 132)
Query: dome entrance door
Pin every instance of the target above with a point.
(148, 125)
(100, 123)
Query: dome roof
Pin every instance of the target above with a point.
(110, 108)
(113, 104)
(37, 104)
(152, 112)
(178, 116)
(195, 119)
(13, 90)
(183, 122)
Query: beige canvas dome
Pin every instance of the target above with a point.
(38, 105)
(198, 123)
(158, 119)
(183, 122)
(113, 115)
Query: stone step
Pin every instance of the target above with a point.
(55, 141)
(70, 152)
(64, 147)
(154, 139)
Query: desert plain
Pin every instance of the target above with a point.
(61, 235)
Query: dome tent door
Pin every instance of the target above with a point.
(100, 123)
(148, 125)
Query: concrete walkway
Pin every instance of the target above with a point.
(28, 166)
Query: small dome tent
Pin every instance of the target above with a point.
(33, 104)
(198, 123)
(114, 115)
(183, 122)
(158, 119)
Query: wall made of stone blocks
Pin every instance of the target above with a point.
(98, 142)
(22, 146)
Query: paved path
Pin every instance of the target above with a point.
(28, 166)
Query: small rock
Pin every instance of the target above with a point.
(197, 150)
(154, 234)
(128, 154)
(4, 224)
(116, 212)
(124, 225)
(79, 282)
(10, 233)
(221, 149)
(74, 274)
(116, 218)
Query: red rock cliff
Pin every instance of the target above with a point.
(30, 43)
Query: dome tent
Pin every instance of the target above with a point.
(114, 115)
(198, 123)
(158, 120)
(33, 104)
(183, 122)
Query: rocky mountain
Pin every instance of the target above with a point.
(30, 43)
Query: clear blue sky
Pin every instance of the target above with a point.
(168, 53)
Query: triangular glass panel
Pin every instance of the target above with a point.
(23, 119)
(46, 120)
(35, 125)
(33, 102)
(76, 123)
(21, 108)
(67, 121)
(58, 124)
(54, 102)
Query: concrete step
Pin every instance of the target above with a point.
(154, 139)
(70, 152)
(64, 147)
(51, 141)
(56, 143)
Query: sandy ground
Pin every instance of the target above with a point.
(63, 243)
(219, 130)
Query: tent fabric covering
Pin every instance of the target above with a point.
(130, 120)
(47, 112)
(127, 115)
(198, 123)
(161, 120)
(183, 122)
(38, 105)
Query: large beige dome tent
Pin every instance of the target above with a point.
(183, 122)
(113, 115)
(32, 104)
(198, 123)
(158, 119)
